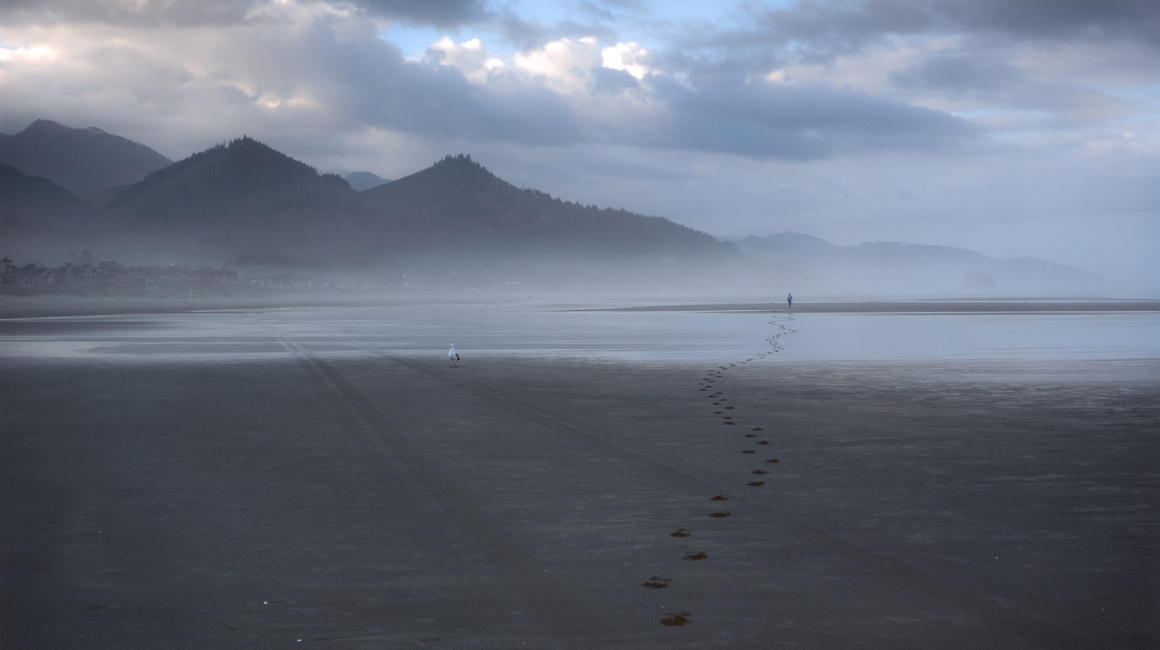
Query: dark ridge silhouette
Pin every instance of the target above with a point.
(243, 200)
(216, 183)
(82, 161)
(36, 201)
(458, 205)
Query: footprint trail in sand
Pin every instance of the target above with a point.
(719, 401)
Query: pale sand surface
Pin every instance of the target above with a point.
(339, 494)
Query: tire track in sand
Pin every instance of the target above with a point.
(485, 561)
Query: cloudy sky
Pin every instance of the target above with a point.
(1011, 127)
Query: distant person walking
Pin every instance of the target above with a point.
(789, 299)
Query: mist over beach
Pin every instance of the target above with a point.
(603, 324)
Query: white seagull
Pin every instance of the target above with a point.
(452, 355)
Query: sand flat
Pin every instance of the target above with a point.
(917, 306)
(333, 487)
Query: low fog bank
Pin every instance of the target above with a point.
(756, 270)
(168, 272)
(896, 269)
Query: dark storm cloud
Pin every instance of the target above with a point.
(821, 29)
(1054, 19)
(801, 122)
(439, 13)
(150, 13)
(438, 101)
(526, 34)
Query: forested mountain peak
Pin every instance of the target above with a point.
(225, 177)
(82, 161)
(451, 177)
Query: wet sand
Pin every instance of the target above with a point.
(335, 493)
(50, 306)
(60, 306)
(915, 306)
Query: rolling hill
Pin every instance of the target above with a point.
(83, 161)
(37, 201)
(459, 207)
(896, 268)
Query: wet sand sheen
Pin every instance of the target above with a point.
(912, 306)
(339, 490)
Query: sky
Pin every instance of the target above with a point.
(1010, 127)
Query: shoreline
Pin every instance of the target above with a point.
(20, 307)
(913, 307)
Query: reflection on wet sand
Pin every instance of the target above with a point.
(255, 477)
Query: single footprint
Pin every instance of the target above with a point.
(719, 515)
(700, 555)
(773, 460)
(674, 619)
(760, 471)
(681, 532)
(720, 497)
(755, 483)
(747, 451)
(655, 583)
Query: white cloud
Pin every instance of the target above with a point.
(564, 65)
(628, 57)
(33, 53)
(470, 57)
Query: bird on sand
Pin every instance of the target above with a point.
(452, 355)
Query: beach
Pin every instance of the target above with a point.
(671, 477)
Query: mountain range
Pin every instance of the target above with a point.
(243, 203)
(83, 161)
(885, 268)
